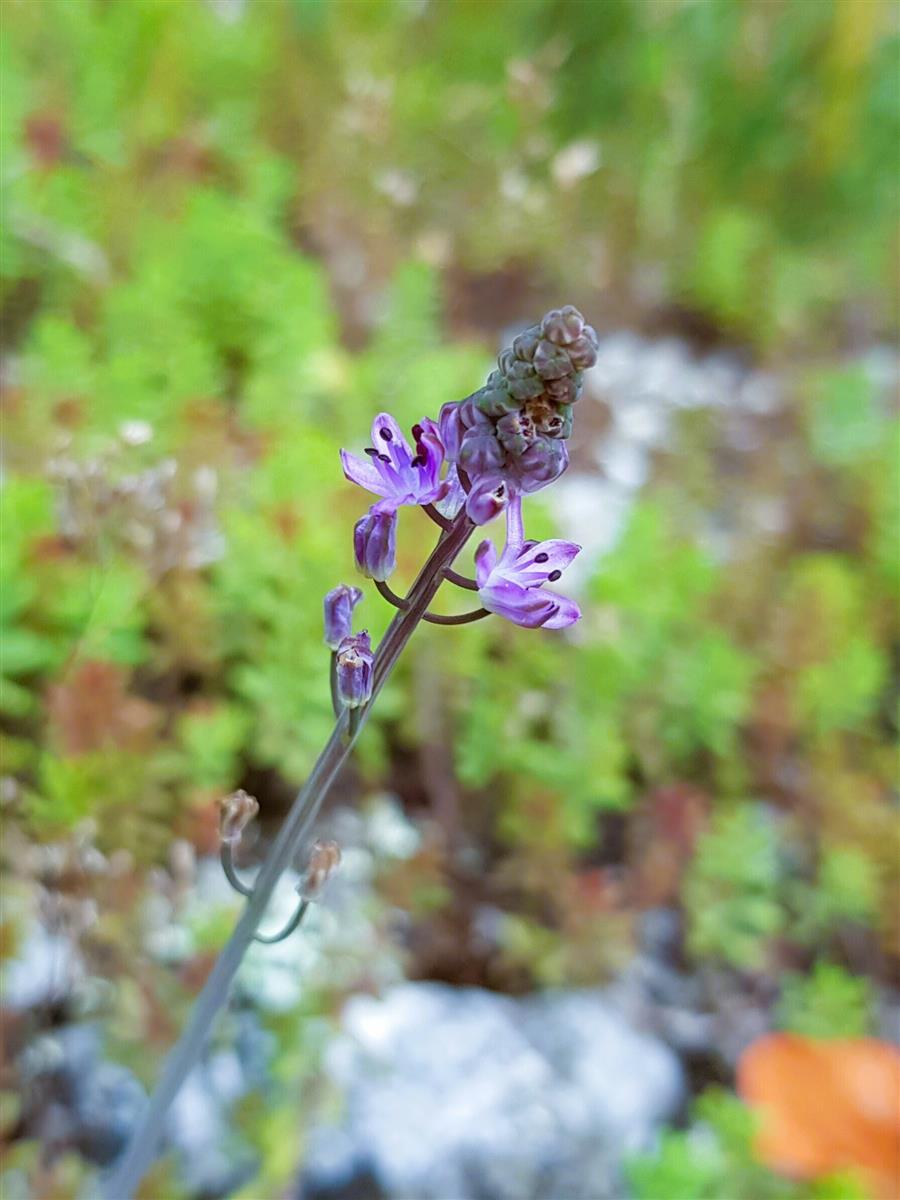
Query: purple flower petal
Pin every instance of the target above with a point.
(363, 474)
(387, 438)
(566, 612)
(398, 473)
(375, 541)
(452, 429)
(512, 585)
(338, 607)
(528, 607)
(485, 561)
(534, 565)
(454, 498)
(486, 500)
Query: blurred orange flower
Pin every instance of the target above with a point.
(826, 1106)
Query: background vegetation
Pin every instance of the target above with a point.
(232, 233)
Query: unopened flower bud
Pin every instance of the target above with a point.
(522, 381)
(526, 343)
(543, 461)
(480, 452)
(487, 499)
(562, 325)
(505, 360)
(375, 543)
(552, 361)
(235, 814)
(339, 605)
(452, 429)
(324, 860)
(564, 391)
(494, 398)
(583, 351)
(354, 670)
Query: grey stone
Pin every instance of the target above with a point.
(462, 1093)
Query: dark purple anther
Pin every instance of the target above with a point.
(354, 670)
(339, 605)
(375, 542)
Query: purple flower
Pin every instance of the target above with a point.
(339, 605)
(375, 541)
(487, 499)
(511, 586)
(354, 670)
(394, 471)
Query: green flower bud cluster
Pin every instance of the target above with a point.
(515, 427)
(540, 375)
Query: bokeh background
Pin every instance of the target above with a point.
(584, 874)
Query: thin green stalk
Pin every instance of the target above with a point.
(144, 1144)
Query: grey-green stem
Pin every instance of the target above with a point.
(145, 1142)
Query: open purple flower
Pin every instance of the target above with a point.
(511, 586)
(395, 471)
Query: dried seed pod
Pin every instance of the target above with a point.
(235, 814)
(324, 860)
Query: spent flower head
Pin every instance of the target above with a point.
(324, 860)
(355, 665)
(235, 814)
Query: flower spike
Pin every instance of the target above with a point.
(504, 441)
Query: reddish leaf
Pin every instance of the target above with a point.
(92, 710)
(826, 1106)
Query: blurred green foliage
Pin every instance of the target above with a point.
(715, 1159)
(828, 1003)
(183, 380)
(233, 233)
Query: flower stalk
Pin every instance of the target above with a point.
(506, 440)
(145, 1141)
